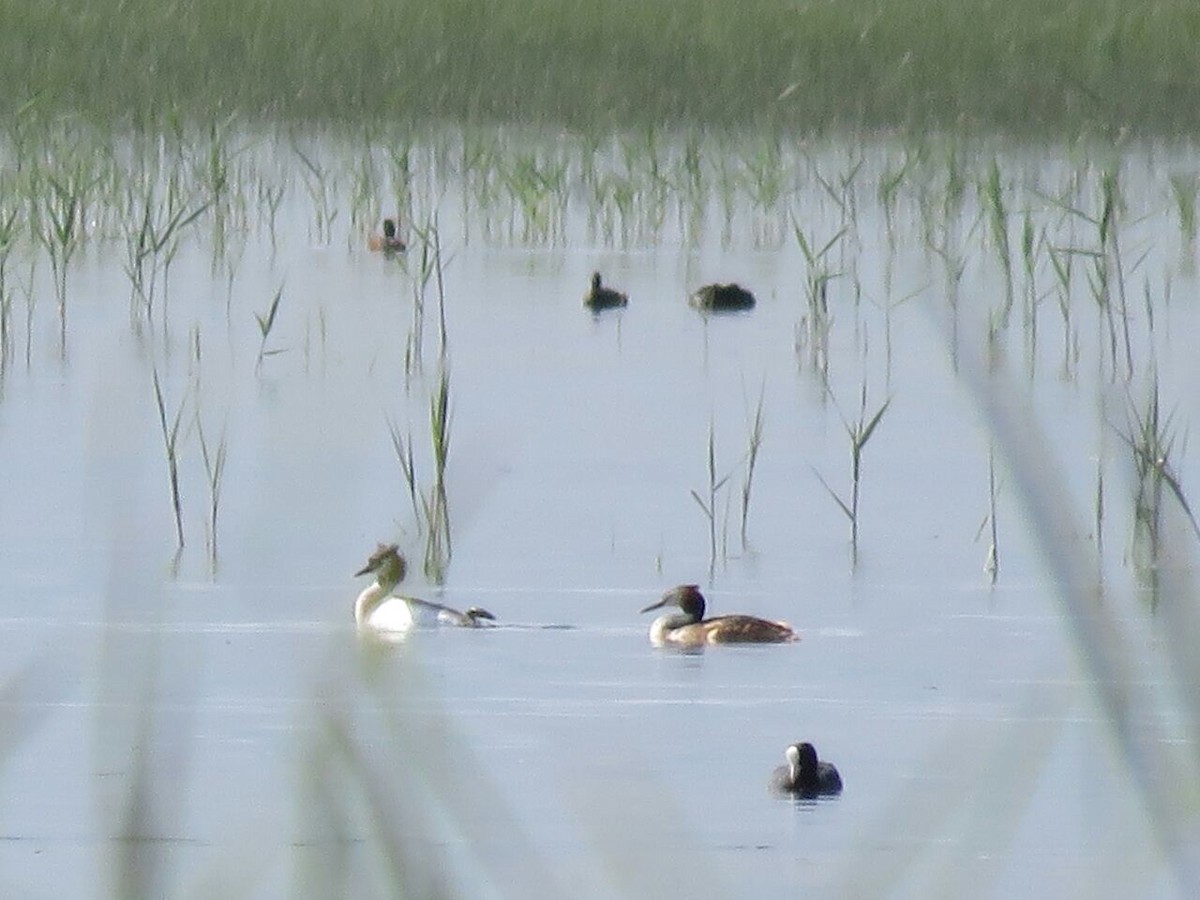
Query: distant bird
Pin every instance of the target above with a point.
(377, 610)
(805, 775)
(389, 241)
(722, 298)
(601, 297)
(689, 628)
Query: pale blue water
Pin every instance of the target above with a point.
(962, 717)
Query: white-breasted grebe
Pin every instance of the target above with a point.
(689, 628)
(805, 775)
(377, 609)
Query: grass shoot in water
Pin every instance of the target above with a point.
(266, 323)
(859, 432)
(170, 436)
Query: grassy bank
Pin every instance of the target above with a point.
(1010, 65)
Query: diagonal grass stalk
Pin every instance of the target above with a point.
(404, 455)
(992, 564)
(754, 445)
(170, 436)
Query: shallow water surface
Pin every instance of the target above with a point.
(179, 723)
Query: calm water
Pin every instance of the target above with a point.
(532, 760)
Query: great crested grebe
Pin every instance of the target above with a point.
(389, 241)
(722, 298)
(601, 297)
(689, 628)
(376, 609)
(805, 775)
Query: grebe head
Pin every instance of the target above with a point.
(802, 758)
(389, 228)
(475, 613)
(595, 281)
(805, 775)
(687, 597)
(386, 564)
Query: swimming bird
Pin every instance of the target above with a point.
(689, 628)
(377, 609)
(389, 241)
(805, 775)
(601, 297)
(722, 298)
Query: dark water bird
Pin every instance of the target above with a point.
(805, 775)
(389, 241)
(601, 297)
(722, 298)
(378, 610)
(689, 628)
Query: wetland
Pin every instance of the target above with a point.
(949, 444)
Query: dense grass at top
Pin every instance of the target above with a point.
(1007, 65)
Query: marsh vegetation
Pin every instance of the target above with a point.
(1018, 66)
